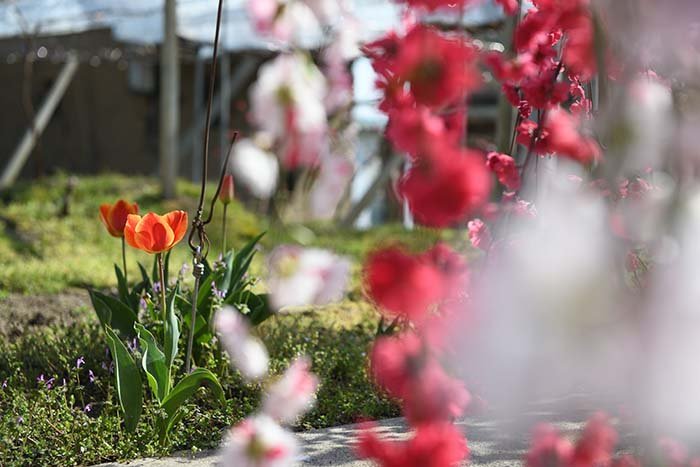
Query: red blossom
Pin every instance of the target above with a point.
(415, 129)
(446, 187)
(395, 360)
(549, 448)
(595, 448)
(435, 445)
(452, 268)
(434, 396)
(560, 135)
(402, 284)
(404, 367)
(505, 169)
(479, 234)
(437, 68)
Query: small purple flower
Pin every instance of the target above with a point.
(183, 270)
(91, 375)
(49, 383)
(132, 344)
(220, 294)
(88, 408)
(4, 384)
(20, 420)
(156, 287)
(143, 304)
(40, 378)
(79, 362)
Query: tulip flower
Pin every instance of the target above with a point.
(114, 217)
(156, 234)
(153, 233)
(227, 189)
(225, 196)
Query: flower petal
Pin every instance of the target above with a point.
(177, 220)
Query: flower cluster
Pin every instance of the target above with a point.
(300, 104)
(426, 76)
(260, 440)
(417, 289)
(595, 447)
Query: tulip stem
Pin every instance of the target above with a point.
(223, 241)
(126, 278)
(161, 272)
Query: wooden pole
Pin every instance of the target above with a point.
(32, 135)
(169, 101)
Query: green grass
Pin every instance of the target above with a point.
(41, 252)
(51, 427)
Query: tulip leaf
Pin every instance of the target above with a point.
(225, 281)
(122, 286)
(113, 313)
(153, 363)
(129, 386)
(172, 328)
(241, 263)
(146, 283)
(259, 306)
(182, 391)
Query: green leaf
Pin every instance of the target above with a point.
(172, 328)
(241, 263)
(113, 313)
(260, 310)
(187, 386)
(225, 281)
(184, 389)
(146, 283)
(129, 386)
(104, 314)
(122, 286)
(166, 267)
(153, 363)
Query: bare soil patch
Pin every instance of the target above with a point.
(23, 313)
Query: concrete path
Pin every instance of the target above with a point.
(493, 442)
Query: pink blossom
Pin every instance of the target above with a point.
(335, 173)
(479, 234)
(258, 441)
(255, 168)
(305, 276)
(247, 352)
(287, 102)
(293, 393)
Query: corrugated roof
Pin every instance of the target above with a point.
(140, 21)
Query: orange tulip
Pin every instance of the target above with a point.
(114, 216)
(227, 193)
(153, 233)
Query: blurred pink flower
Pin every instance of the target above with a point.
(247, 352)
(255, 168)
(258, 441)
(305, 276)
(293, 394)
(287, 101)
(335, 173)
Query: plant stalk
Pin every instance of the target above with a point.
(223, 241)
(163, 311)
(126, 277)
(193, 317)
